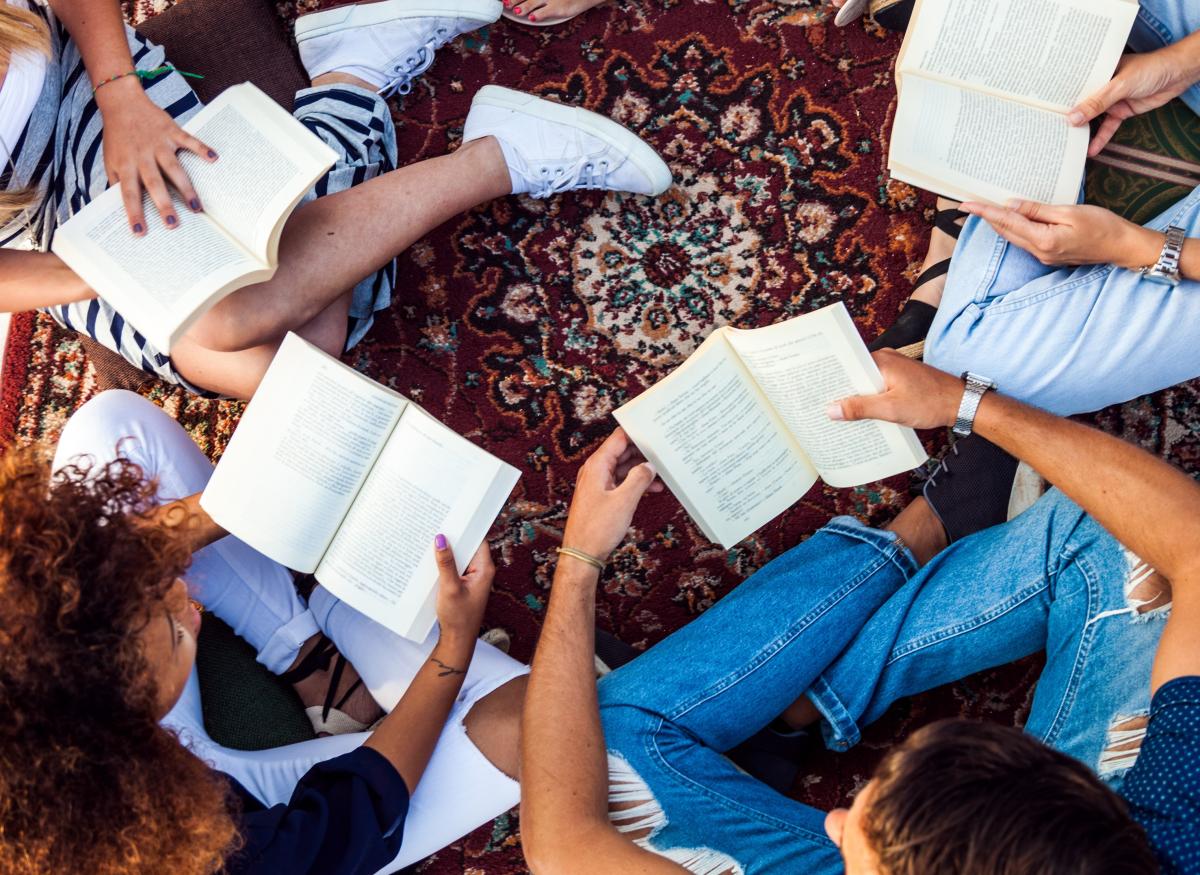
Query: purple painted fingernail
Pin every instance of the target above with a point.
(137, 228)
(171, 220)
(439, 541)
(194, 203)
(212, 154)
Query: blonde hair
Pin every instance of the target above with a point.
(20, 30)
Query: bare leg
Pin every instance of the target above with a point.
(920, 529)
(494, 726)
(941, 247)
(237, 374)
(329, 244)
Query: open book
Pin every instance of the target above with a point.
(332, 473)
(739, 432)
(165, 281)
(985, 87)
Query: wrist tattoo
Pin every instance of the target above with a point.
(446, 670)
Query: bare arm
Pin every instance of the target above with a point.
(564, 767)
(1149, 506)
(30, 280)
(408, 735)
(140, 139)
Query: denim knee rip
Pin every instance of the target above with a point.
(1122, 744)
(1147, 596)
(635, 813)
(1147, 593)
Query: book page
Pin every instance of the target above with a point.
(159, 282)
(300, 454)
(426, 480)
(968, 145)
(1050, 53)
(717, 444)
(268, 160)
(804, 364)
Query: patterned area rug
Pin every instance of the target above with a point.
(524, 324)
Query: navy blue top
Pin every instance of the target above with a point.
(1163, 787)
(345, 816)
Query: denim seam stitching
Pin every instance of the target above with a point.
(1082, 649)
(946, 634)
(653, 751)
(1010, 303)
(770, 651)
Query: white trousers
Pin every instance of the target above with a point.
(460, 789)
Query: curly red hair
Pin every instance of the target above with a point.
(89, 781)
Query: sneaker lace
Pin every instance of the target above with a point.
(415, 64)
(584, 173)
(941, 467)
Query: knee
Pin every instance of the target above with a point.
(99, 425)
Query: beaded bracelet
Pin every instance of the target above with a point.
(146, 74)
(582, 557)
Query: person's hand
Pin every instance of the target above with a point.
(607, 491)
(915, 395)
(1142, 82)
(140, 142)
(461, 599)
(1072, 235)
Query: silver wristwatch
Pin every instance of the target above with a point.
(1166, 269)
(972, 395)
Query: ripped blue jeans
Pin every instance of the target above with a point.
(847, 619)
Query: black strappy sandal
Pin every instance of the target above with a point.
(907, 334)
(328, 718)
(893, 14)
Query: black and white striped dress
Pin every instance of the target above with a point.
(60, 153)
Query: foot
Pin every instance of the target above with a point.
(546, 13)
(971, 487)
(551, 148)
(314, 689)
(388, 43)
(942, 241)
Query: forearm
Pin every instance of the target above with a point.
(191, 519)
(30, 280)
(1147, 246)
(98, 29)
(564, 775)
(408, 735)
(1149, 506)
(1187, 56)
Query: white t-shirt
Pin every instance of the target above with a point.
(19, 94)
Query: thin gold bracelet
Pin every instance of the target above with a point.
(581, 556)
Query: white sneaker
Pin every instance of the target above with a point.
(552, 148)
(388, 43)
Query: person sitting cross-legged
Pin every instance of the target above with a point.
(80, 113)
(633, 777)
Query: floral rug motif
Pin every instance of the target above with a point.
(524, 323)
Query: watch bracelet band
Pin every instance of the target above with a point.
(974, 389)
(1172, 253)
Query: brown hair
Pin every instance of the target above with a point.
(990, 800)
(89, 782)
(20, 30)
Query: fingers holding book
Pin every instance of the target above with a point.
(462, 598)
(915, 395)
(608, 489)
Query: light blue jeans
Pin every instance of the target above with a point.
(1073, 340)
(847, 618)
